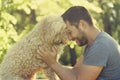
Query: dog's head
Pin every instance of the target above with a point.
(53, 30)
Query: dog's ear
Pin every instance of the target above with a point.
(57, 26)
(51, 26)
(55, 22)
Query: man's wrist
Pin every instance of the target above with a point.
(50, 63)
(55, 63)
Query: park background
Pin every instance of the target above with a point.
(18, 17)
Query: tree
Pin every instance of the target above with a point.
(111, 17)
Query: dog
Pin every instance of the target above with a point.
(20, 61)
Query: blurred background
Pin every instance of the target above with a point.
(18, 17)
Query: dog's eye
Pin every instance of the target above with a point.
(59, 42)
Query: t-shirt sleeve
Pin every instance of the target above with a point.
(97, 55)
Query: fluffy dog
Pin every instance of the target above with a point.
(21, 63)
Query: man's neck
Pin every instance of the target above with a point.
(92, 34)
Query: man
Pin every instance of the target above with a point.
(101, 58)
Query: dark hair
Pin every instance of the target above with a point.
(75, 14)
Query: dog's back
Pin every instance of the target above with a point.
(20, 62)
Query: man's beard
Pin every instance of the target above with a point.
(81, 42)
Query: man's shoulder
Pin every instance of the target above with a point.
(105, 40)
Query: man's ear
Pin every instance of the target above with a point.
(82, 25)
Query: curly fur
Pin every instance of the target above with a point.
(21, 62)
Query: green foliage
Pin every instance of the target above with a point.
(65, 57)
(111, 17)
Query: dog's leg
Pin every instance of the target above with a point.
(50, 74)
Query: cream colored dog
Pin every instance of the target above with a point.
(21, 63)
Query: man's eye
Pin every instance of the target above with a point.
(58, 43)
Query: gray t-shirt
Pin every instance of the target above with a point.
(105, 52)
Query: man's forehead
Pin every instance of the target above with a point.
(68, 25)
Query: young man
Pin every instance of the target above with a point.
(101, 58)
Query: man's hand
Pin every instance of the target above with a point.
(47, 54)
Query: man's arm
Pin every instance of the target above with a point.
(79, 72)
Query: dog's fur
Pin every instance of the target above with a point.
(21, 62)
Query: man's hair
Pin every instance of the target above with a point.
(77, 13)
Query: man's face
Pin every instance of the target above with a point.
(74, 33)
